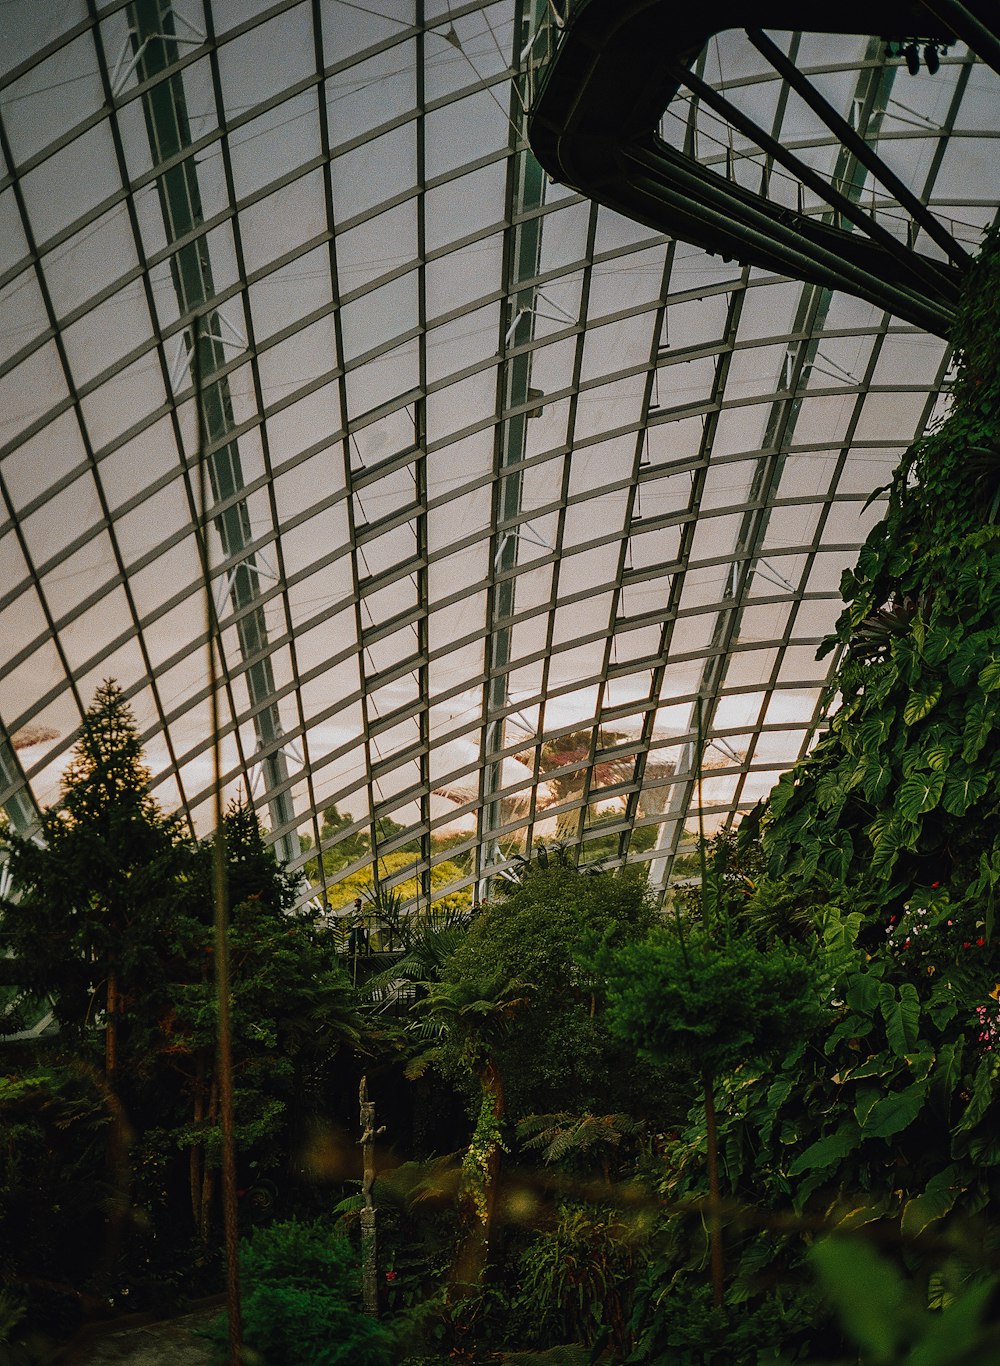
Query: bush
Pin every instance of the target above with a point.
(301, 1304)
(576, 1278)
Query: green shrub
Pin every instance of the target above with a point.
(301, 1304)
(12, 1311)
(575, 1279)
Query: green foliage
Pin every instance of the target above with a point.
(301, 1300)
(564, 1137)
(530, 953)
(97, 896)
(429, 946)
(888, 1322)
(359, 884)
(573, 1280)
(53, 1189)
(12, 1311)
(883, 859)
(690, 995)
(904, 789)
(676, 1323)
(292, 1008)
(119, 892)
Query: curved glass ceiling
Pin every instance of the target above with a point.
(501, 482)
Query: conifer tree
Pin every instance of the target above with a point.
(95, 893)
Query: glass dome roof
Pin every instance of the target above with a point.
(502, 483)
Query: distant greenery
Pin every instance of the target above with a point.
(359, 884)
(343, 891)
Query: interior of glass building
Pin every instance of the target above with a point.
(449, 422)
(502, 482)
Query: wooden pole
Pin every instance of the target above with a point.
(221, 905)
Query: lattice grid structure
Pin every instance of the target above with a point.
(503, 483)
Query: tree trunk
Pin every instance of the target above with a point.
(196, 1154)
(111, 1029)
(493, 1085)
(481, 1193)
(714, 1214)
(208, 1174)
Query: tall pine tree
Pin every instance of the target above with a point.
(95, 896)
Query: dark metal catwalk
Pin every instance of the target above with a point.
(594, 126)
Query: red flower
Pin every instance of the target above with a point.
(980, 942)
(390, 1275)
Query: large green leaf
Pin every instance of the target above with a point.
(966, 658)
(878, 772)
(937, 757)
(782, 794)
(938, 1199)
(940, 643)
(895, 1112)
(830, 791)
(865, 1102)
(901, 1015)
(875, 1065)
(888, 837)
(948, 1065)
(920, 703)
(919, 793)
(989, 678)
(979, 721)
(867, 1292)
(862, 992)
(874, 731)
(954, 1335)
(906, 657)
(979, 1100)
(826, 1151)
(962, 792)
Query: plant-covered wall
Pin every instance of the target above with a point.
(878, 863)
(903, 793)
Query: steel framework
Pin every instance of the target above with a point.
(505, 483)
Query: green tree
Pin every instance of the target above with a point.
(96, 894)
(515, 1017)
(292, 1013)
(555, 1051)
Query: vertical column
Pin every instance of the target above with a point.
(525, 195)
(156, 50)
